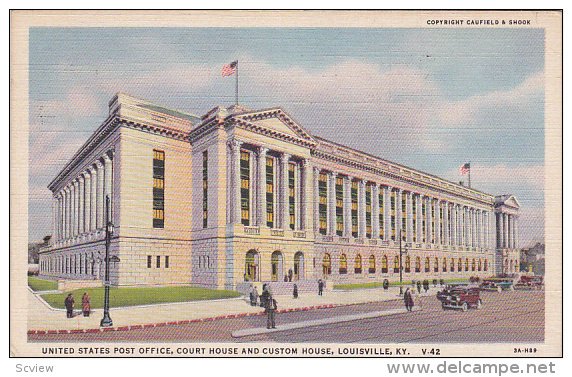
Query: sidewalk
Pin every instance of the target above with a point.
(43, 318)
(318, 322)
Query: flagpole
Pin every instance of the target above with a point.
(469, 174)
(236, 92)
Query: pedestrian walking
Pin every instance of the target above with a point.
(270, 309)
(85, 304)
(69, 303)
(320, 287)
(251, 295)
(290, 274)
(295, 291)
(408, 298)
(264, 296)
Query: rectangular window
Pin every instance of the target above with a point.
(323, 202)
(148, 261)
(339, 206)
(158, 189)
(158, 261)
(205, 189)
(270, 192)
(414, 215)
(354, 196)
(368, 211)
(166, 261)
(292, 195)
(392, 211)
(245, 187)
(404, 218)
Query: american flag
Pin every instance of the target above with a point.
(229, 69)
(465, 168)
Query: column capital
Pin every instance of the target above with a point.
(361, 182)
(286, 157)
(349, 178)
(262, 151)
(316, 170)
(87, 173)
(80, 178)
(305, 162)
(98, 164)
(235, 144)
(106, 157)
(332, 174)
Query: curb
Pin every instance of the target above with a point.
(188, 321)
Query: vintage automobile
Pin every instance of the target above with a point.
(442, 295)
(497, 285)
(530, 282)
(462, 298)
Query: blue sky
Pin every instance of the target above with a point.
(431, 99)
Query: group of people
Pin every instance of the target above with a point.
(267, 302)
(69, 303)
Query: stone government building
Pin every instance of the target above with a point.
(239, 195)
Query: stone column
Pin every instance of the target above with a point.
(108, 187)
(66, 212)
(234, 199)
(74, 208)
(498, 230)
(87, 202)
(446, 235)
(316, 201)
(471, 227)
(347, 206)
(485, 230)
(419, 220)
(454, 224)
(515, 227)
(297, 196)
(375, 211)
(80, 209)
(361, 209)
(437, 211)
(306, 196)
(409, 221)
(284, 191)
(429, 220)
(331, 204)
(93, 199)
(100, 194)
(261, 183)
(505, 231)
(398, 214)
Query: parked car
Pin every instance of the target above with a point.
(462, 298)
(497, 285)
(530, 282)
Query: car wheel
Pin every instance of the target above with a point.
(464, 307)
(479, 304)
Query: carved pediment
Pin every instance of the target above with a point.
(275, 122)
(508, 200)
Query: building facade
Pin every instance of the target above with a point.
(239, 195)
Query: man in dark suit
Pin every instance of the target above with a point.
(270, 308)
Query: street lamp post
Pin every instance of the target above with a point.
(106, 320)
(401, 252)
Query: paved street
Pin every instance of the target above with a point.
(505, 317)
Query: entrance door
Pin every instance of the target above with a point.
(299, 266)
(277, 266)
(251, 266)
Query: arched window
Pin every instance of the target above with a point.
(343, 264)
(384, 266)
(436, 265)
(444, 267)
(480, 266)
(427, 264)
(486, 268)
(251, 266)
(326, 265)
(418, 264)
(473, 265)
(460, 265)
(357, 264)
(466, 264)
(408, 264)
(515, 265)
(396, 264)
(452, 266)
(371, 268)
(299, 266)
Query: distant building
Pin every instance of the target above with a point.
(34, 249)
(533, 259)
(242, 195)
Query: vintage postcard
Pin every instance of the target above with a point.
(286, 183)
